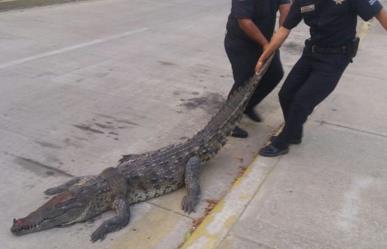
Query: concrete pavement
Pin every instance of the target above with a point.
(330, 191)
(83, 83)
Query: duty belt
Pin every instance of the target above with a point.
(321, 50)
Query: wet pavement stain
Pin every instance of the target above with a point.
(88, 128)
(104, 126)
(118, 120)
(107, 125)
(53, 159)
(167, 63)
(177, 93)
(210, 103)
(48, 145)
(102, 74)
(200, 68)
(39, 168)
(71, 143)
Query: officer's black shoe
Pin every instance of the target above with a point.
(239, 133)
(253, 115)
(272, 151)
(291, 141)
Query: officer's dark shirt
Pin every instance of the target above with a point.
(261, 12)
(332, 22)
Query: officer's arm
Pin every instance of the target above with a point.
(292, 20)
(252, 31)
(367, 9)
(382, 18)
(275, 43)
(283, 10)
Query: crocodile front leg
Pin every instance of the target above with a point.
(192, 173)
(121, 207)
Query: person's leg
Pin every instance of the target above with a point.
(269, 81)
(243, 58)
(320, 83)
(294, 81)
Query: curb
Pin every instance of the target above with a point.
(227, 212)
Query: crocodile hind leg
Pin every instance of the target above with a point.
(192, 173)
(121, 207)
(65, 186)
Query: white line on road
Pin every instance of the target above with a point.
(70, 48)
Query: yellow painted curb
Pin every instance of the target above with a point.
(226, 213)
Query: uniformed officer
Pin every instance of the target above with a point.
(327, 53)
(250, 26)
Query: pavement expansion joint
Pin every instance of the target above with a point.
(323, 122)
(71, 48)
(169, 210)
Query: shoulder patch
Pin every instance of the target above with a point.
(307, 8)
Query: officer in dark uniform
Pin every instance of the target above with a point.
(327, 53)
(250, 26)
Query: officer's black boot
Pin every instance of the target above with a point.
(253, 115)
(276, 148)
(239, 133)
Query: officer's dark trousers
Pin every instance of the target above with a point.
(243, 56)
(310, 81)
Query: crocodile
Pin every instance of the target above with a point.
(139, 177)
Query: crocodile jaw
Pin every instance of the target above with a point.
(59, 210)
(64, 209)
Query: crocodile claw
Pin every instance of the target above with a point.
(99, 234)
(189, 203)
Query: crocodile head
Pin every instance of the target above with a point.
(75, 204)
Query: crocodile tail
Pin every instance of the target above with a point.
(224, 121)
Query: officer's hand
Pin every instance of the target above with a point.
(259, 65)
